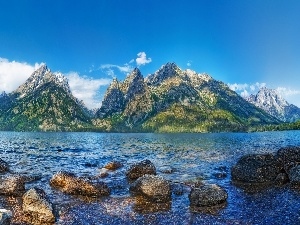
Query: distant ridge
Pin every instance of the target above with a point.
(273, 103)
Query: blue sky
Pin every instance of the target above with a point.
(238, 42)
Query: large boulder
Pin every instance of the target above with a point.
(289, 157)
(12, 185)
(37, 208)
(5, 216)
(70, 184)
(140, 169)
(256, 168)
(153, 187)
(3, 166)
(207, 195)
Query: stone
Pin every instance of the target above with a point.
(12, 185)
(139, 169)
(294, 175)
(70, 184)
(281, 179)
(37, 208)
(4, 167)
(256, 168)
(153, 187)
(207, 195)
(5, 216)
(114, 165)
(289, 157)
(166, 169)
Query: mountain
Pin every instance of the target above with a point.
(175, 100)
(270, 101)
(44, 102)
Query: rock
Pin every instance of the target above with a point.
(70, 184)
(5, 216)
(294, 175)
(281, 179)
(114, 165)
(12, 185)
(37, 208)
(256, 168)
(207, 195)
(154, 187)
(289, 157)
(139, 169)
(3, 166)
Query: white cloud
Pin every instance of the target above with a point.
(287, 91)
(13, 74)
(238, 87)
(189, 63)
(244, 93)
(142, 59)
(108, 68)
(86, 89)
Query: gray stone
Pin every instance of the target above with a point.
(256, 168)
(207, 195)
(5, 216)
(37, 208)
(289, 157)
(154, 187)
(70, 184)
(139, 169)
(294, 175)
(3, 166)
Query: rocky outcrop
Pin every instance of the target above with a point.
(270, 101)
(12, 185)
(140, 169)
(207, 195)
(70, 184)
(37, 207)
(4, 167)
(133, 85)
(156, 188)
(113, 102)
(256, 169)
(5, 216)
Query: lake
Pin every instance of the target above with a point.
(192, 157)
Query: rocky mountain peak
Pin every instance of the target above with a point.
(40, 77)
(273, 103)
(133, 84)
(166, 71)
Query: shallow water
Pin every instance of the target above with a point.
(205, 157)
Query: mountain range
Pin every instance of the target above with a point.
(169, 100)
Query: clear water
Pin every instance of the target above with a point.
(192, 157)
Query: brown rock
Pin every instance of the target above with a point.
(70, 184)
(140, 169)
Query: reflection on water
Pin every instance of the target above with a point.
(189, 158)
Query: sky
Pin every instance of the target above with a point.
(246, 44)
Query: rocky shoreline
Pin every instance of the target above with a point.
(249, 173)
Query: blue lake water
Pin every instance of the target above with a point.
(191, 156)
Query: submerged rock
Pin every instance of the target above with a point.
(114, 165)
(37, 208)
(4, 167)
(294, 175)
(154, 187)
(139, 169)
(207, 195)
(5, 216)
(256, 168)
(12, 185)
(70, 184)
